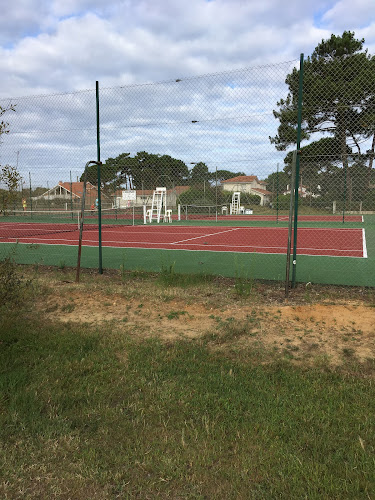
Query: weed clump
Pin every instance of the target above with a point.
(168, 277)
(14, 289)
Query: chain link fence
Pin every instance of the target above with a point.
(196, 173)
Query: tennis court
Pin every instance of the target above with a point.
(339, 242)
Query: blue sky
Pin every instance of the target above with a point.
(53, 46)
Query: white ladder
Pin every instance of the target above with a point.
(235, 205)
(158, 202)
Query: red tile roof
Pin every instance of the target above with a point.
(262, 191)
(181, 189)
(77, 187)
(144, 192)
(242, 178)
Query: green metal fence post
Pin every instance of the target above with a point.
(290, 223)
(99, 180)
(299, 124)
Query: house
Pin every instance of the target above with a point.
(126, 197)
(66, 193)
(249, 184)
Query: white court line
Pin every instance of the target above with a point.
(189, 229)
(111, 230)
(205, 236)
(185, 250)
(256, 247)
(325, 228)
(364, 243)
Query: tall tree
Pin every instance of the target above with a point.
(9, 175)
(149, 170)
(223, 175)
(109, 174)
(4, 126)
(338, 98)
(199, 174)
(142, 171)
(280, 179)
(316, 165)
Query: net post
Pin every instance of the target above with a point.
(179, 211)
(144, 215)
(133, 215)
(298, 153)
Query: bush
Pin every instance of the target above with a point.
(196, 196)
(250, 199)
(283, 202)
(14, 289)
(225, 197)
(369, 201)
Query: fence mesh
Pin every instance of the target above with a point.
(220, 148)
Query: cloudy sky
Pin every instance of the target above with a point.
(63, 46)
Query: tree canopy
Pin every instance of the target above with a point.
(338, 96)
(146, 171)
(9, 175)
(223, 175)
(4, 126)
(199, 173)
(142, 171)
(338, 101)
(280, 179)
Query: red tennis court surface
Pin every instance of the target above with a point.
(340, 242)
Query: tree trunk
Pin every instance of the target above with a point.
(344, 156)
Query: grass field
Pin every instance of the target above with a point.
(137, 385)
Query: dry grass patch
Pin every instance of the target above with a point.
(316, 323)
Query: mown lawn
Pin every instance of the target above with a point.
(93, 415)
(98, 414)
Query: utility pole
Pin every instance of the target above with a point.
(18, 154)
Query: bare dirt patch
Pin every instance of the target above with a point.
(342, 330)
(304, 331)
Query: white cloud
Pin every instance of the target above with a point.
(65, 45)
(346, 14)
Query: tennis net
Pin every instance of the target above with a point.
(198, 212)
(18, 224)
